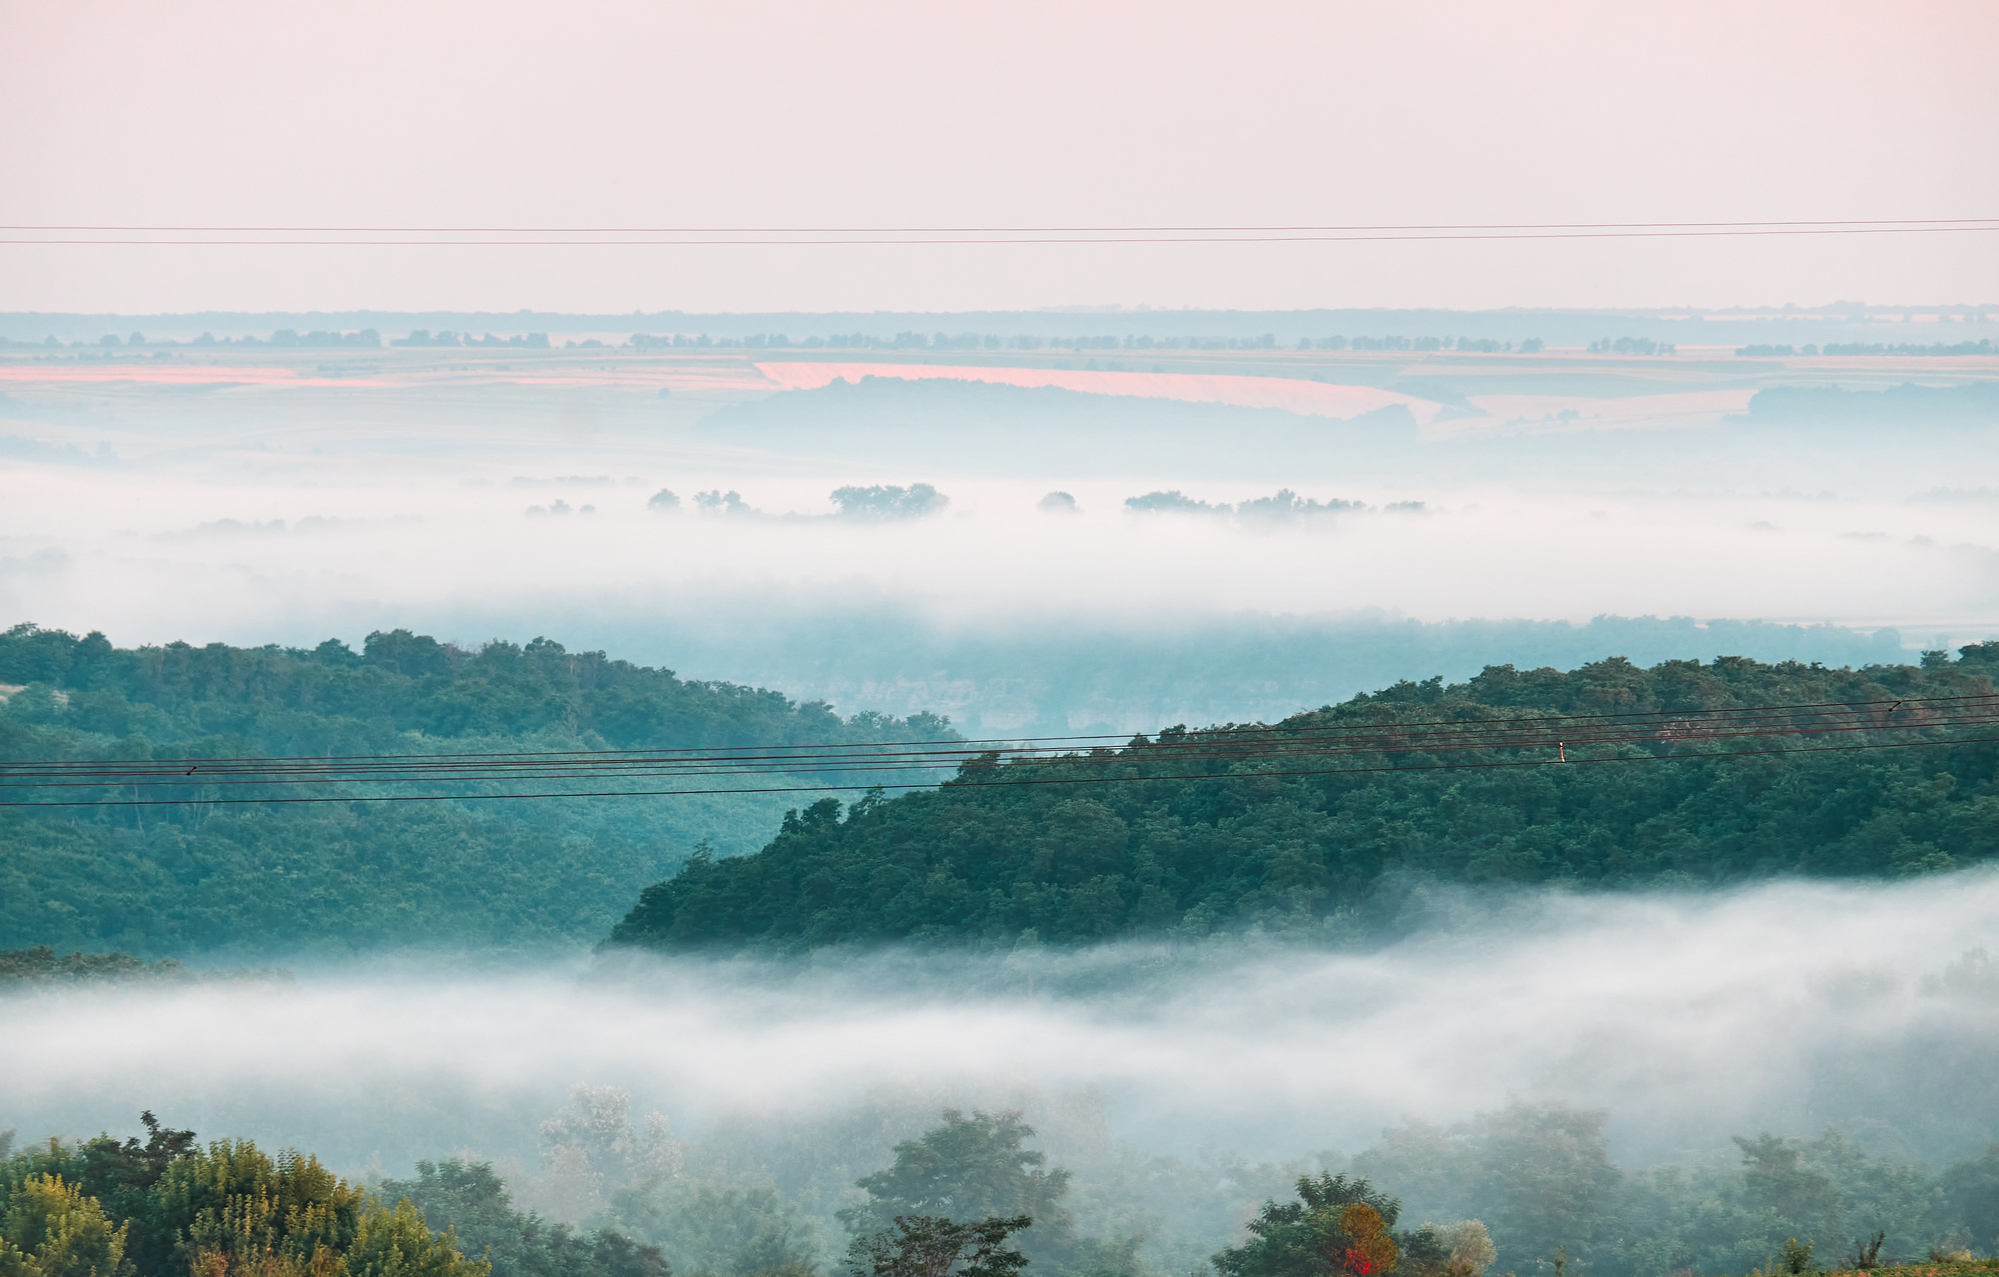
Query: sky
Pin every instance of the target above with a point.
(890, 114)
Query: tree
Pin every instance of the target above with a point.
(731, 1232)
(882, 502)
(970, 1167)
(472, 1203)
(123, 1176)
(1337, 1226)
(395, 1242)
(932, 1246)
(54, 1230)
(1973, 1188)
(233, 1204)
(592, 1144)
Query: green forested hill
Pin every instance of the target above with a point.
(341, 877)
(1146, 850)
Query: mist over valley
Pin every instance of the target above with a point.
(909, 641)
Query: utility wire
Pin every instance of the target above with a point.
(1063, 780)
(1007, 230)
(693, 236)
(1204, 748)
(1230, 748)
(999, 744)
(419, 771)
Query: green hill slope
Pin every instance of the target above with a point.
(343, 877)
(1131, 842)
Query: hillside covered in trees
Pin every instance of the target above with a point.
(346, 876)
(1143, 841)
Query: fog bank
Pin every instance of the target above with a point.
(1690, 1017)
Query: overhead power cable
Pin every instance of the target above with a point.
(986, 744)
(1014, 230)
(723, 236)
(1033, 760)
(1205, 747)
(1229, 742)
(1058, 780)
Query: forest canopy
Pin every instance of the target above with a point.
(344, 876)
(1138, 841)
(105, 1208)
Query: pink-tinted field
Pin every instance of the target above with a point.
(1296, 395)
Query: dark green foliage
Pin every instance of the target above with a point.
(469, 1199)
(1315, 1236)
(974, 1167)
(213, 1210)
(234, 1199)
(971, 1166)
(1540, 1177)
(331, 699)
(346, 876)
(1797, 1257)
(121, 1176)
(1159, 845)
(43, 965)
(228, 1205)
(726, 1232)
(1973, 1188)
(929, 1246)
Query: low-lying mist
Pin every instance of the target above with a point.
(511, 499)
(1689, 1017)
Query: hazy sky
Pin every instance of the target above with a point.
(504, 113)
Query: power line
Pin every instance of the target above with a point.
(1233, 743)
(419, 770)
(1010, 230)
(990, 744)
(1066, 780)
(976, 759)
(770, 236)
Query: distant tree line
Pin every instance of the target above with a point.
(368, 338)
(1028, 341)
(1630, 346)
(1282, 506)
(424, 337)
(290, 339)
(869, 503)
(1974, 403)
(1982, 347)
(42, 968)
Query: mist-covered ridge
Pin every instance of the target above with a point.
(339, 877)
(1230, 831)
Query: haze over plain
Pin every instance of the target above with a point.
(1051, 487)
